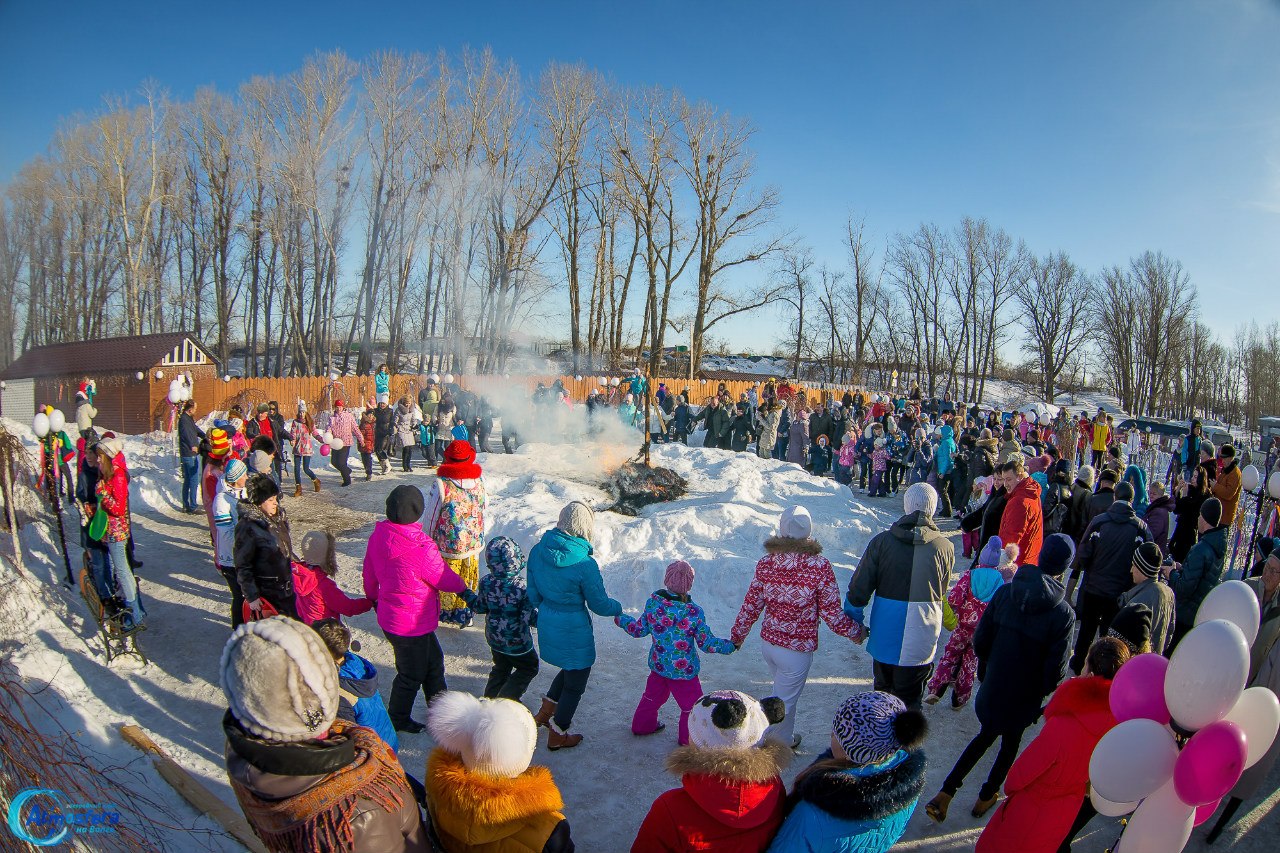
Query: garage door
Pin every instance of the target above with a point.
(18, 400)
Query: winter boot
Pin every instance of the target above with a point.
(982, 806)
(937, 807)
(316, 485)
(544, 713)
(297, 490)
(558, 738)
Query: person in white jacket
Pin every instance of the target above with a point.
(230, 491)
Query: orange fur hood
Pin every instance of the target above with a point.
(478, 808)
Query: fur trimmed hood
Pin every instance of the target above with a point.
(786, 545)
(875, 795)
(757, 764)
(487, 808)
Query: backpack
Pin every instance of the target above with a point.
(1055, 511)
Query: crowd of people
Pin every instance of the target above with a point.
(1058, 547)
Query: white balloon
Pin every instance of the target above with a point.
(1273, 485)
(57, 421)
(448, 379)
(1161, 824)
(1250, 477)
(1257, 712)
(1132, 760)
(1235, 602)
(435, 377)
(1206, 674)
(40, 424)
(1106, 808)
(327, 436)
(577, 379)
(336, 444)
(175, 395)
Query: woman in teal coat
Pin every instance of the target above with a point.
(564, 581)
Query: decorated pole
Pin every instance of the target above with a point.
(47, 428)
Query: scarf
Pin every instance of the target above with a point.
(319, 818)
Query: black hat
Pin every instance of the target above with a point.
(1211, 511)
(1056, 554)
(260, 489)
(1108, 475)
(1132, 625)
(1148, 559)
(404, 505)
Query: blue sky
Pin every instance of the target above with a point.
(1103, 129)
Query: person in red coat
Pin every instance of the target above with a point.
(1023, 521)
(731, 796)
(1048, 786)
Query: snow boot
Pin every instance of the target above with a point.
(937, 807)
(297, 490)
(558, 738)
(982, 806)
(544, 713)
(316, 485)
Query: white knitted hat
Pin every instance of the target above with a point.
(920, 497)
(492, 736)
(729, 719)
(578, 519)
(796, 523)
(280, 680)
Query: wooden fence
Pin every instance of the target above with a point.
(320, 392)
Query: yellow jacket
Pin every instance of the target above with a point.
(477, 813)
(1101, 436)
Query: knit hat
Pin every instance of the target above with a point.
(260, 489)
(279, 680)
(405, 505)
(219, 443)
(504, 556)
(577, 519)
(1132, 625)
(1211, 511)
(729, 719)
(495, 737)
(234, 471)
(1108, 475)
(263, 408)
(985, 435)
(920, 497)
(339, 404)
(795, 523)
(459, 462)
(990, 556)
(317, 549)
(1056, 554)
(1148, 559)
(679, 578)
(111, 444)
(872, 726)
(1086, 475)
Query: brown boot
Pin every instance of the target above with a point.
(937, 807)
(316, 484)
(297, 491)
(544, 713)
(982, 806)
(558, 738)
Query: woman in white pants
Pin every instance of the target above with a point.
(793, 586)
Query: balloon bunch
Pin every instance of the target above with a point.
(179, 392)
(1187, 727)
(331, 443)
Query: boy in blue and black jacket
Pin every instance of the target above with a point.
(503, 596)
(358, 698)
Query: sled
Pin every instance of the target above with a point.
(116, 640)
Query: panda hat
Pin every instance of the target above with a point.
(729, 719)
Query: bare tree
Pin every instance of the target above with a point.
(1057, 301)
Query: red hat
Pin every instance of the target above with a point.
(338, 404)
(459, 462)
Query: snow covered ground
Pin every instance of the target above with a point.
(610, 780)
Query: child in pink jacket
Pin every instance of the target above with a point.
(403, 577)
(968, 600)
(317, 595)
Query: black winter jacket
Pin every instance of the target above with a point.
(263, 555)
(1106, 553)
(986, 518)
(1199, 574)
(1021, 642)
(189, 436)
(1099, 503)
(1078, 511)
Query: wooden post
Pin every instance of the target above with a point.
(200, 797)
(11, 514)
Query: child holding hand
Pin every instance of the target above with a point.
(678, 627)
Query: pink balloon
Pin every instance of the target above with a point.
(1203, 813)
(1210, 764)
(1138, 690)
(324, 450)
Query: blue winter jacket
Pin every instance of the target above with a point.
(564, 581)
(944, 453)
(359, 678)
(503, 597)
(679, 629)
(858, 810)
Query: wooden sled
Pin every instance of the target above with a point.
(116, 641)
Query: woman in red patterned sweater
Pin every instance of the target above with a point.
(793, 586)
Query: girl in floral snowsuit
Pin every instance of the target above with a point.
(679, 629)
(966, 602)
(504, 597)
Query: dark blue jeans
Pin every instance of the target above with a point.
(190, 480)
